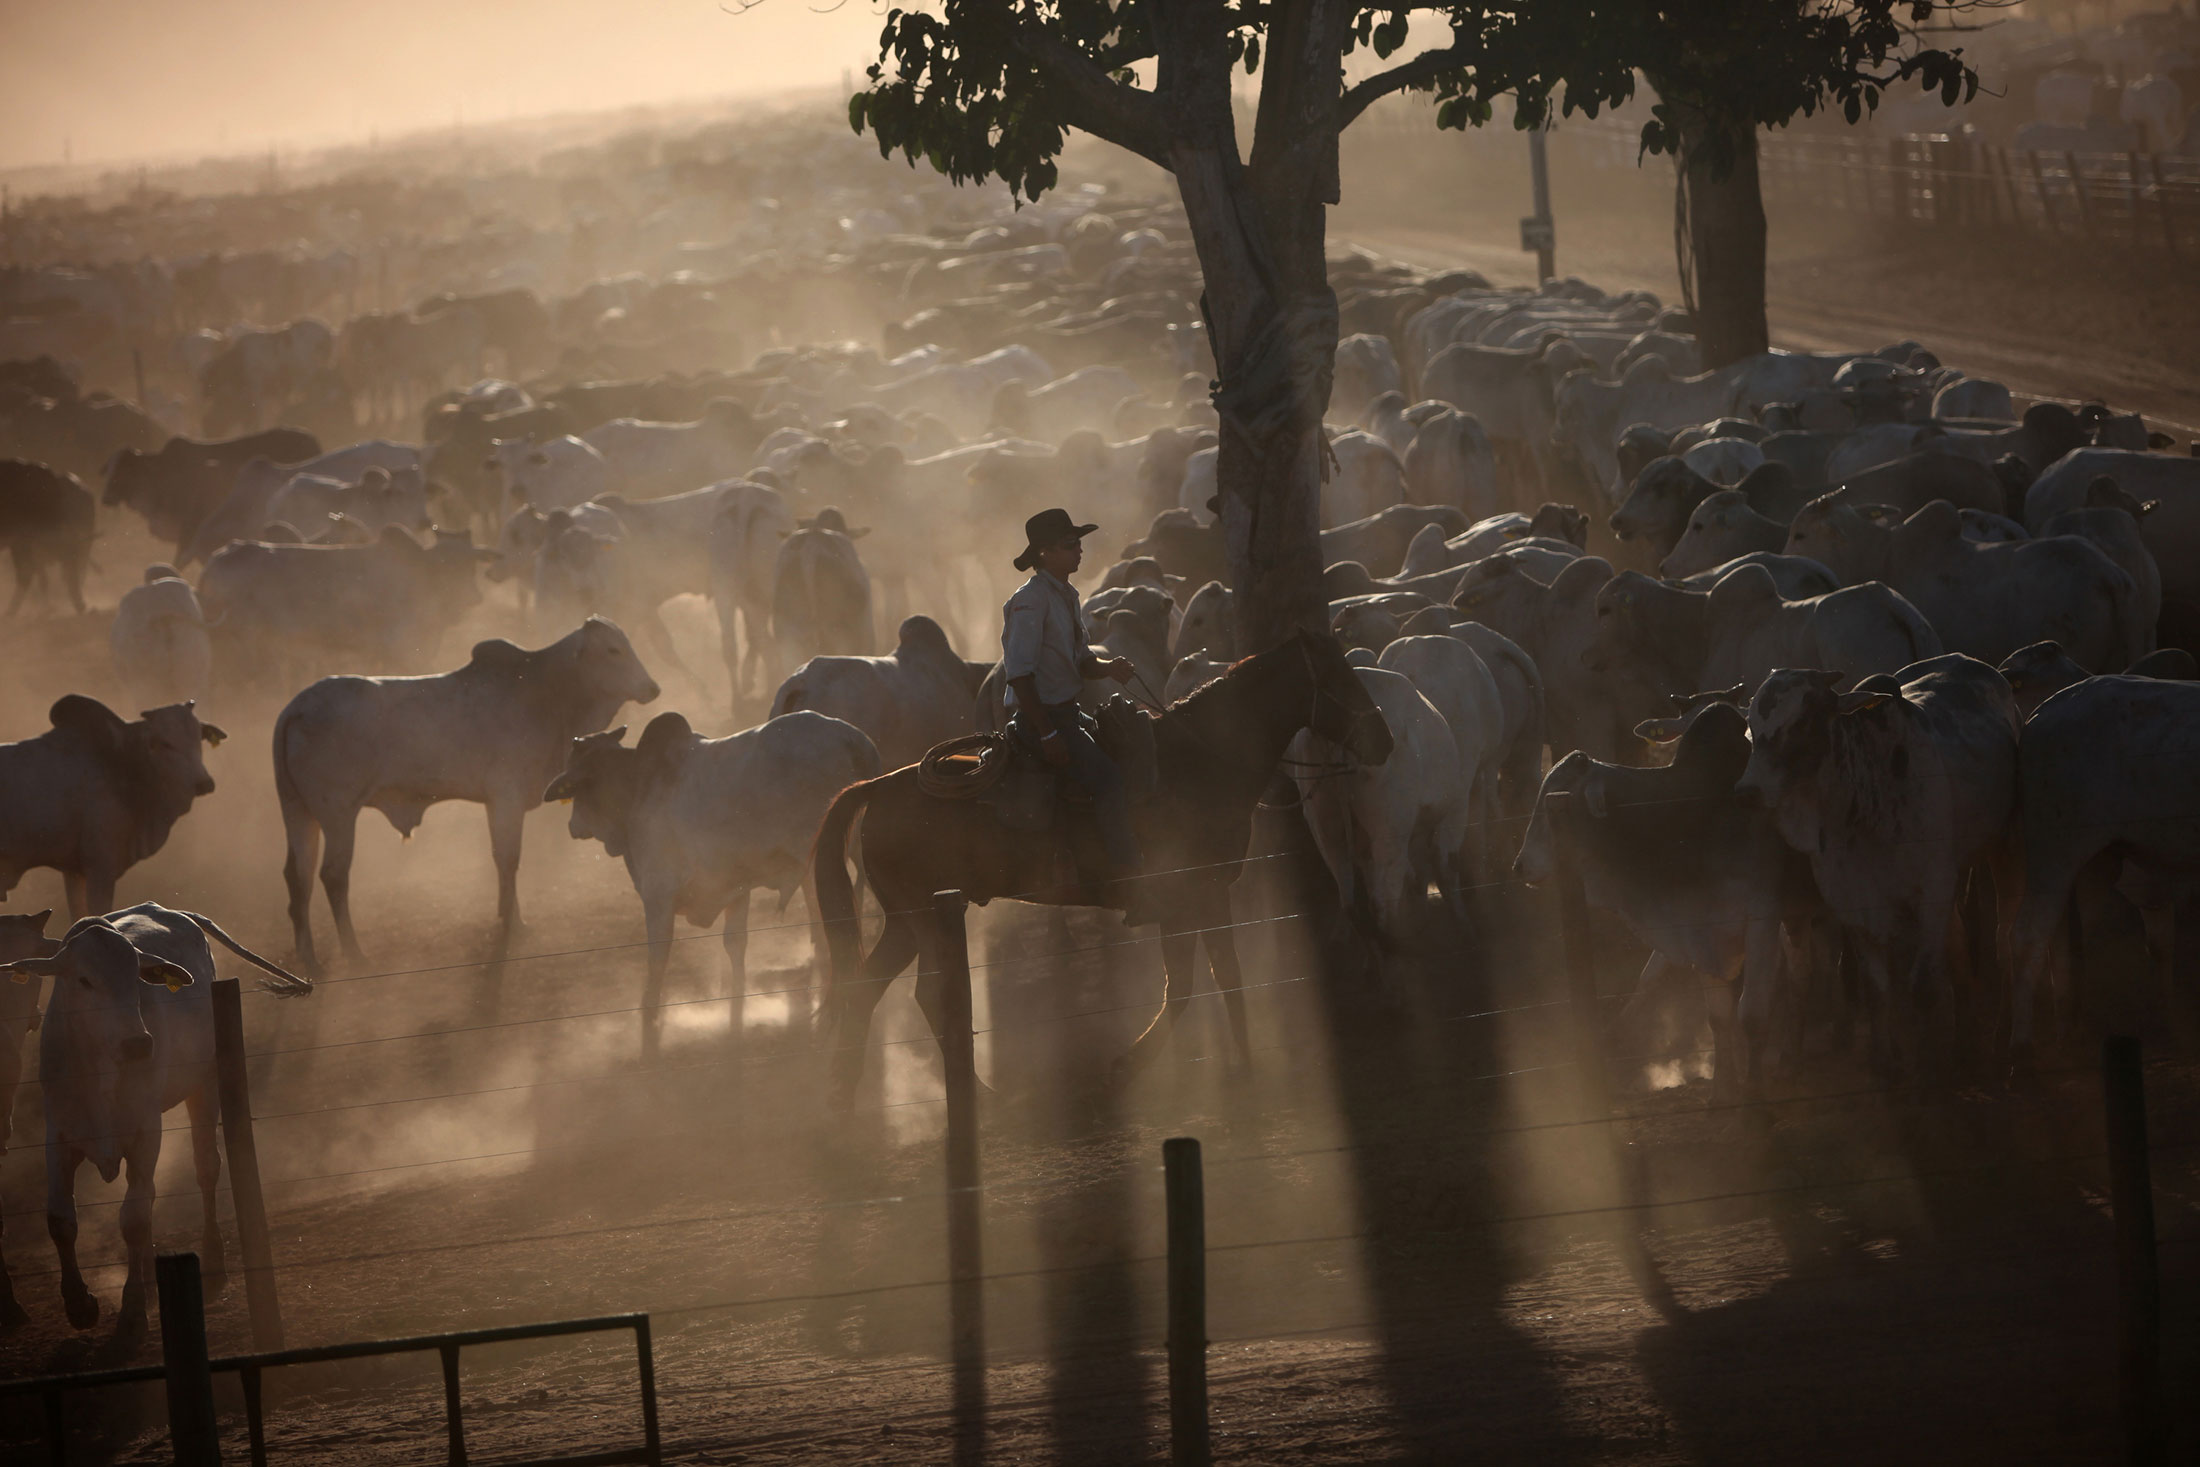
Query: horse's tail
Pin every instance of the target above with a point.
(836, 898)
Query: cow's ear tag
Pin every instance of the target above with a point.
(173, 985)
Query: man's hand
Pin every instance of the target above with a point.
(1053, 750)
(1118, 669)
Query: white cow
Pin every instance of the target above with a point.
(128, 1035)
(916, 696)
(1388, 832)
(700, 822)
(1458, 685)
(159, 641)
(493, 732)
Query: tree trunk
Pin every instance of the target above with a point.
(1272, 323)
(1719, 236)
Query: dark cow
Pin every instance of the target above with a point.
(76, 434)
(45, 520)
(93, 795)
(176, 488)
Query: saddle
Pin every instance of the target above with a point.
(1006, 772)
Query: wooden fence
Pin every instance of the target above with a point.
(2137, 201)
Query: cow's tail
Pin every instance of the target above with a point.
(286, 784)
(284, 983)
(835, 894)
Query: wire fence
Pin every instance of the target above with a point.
(2072, 1170)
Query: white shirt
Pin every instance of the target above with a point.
(1044, 637)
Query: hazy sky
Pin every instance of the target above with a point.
(127, 78)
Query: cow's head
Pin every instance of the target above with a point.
(158, 757)
(1791, 728)
(1659, 499)
(605, 782)
(607, 666)
(521, 536)
(1839, 536)
(97, 1047)
(1625, 608)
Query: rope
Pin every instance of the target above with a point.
(964, 768)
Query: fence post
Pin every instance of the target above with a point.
(190, 1380)
(2048, 217)
(244, 1167)
(2161, 198)
(2131, 1193)
(2077, 192)
(1189, 1443)
(965, 1251)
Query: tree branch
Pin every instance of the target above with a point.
(1091, 100)
(1423, 69)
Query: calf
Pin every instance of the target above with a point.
(492, 732)
(93, 796)
(1893, 795)
(700, 822)
(127, 1035)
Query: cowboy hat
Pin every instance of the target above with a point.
(1047, 528)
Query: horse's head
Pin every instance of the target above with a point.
(1342, 712)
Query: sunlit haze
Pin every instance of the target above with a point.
(123, 79)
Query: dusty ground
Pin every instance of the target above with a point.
(1414, 1253)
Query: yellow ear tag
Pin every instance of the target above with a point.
(566, 801)
(173, 985)
(19, 977)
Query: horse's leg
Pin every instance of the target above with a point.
(206, 1159)
(1178, 953)
(853, 1003)
(77, 1302)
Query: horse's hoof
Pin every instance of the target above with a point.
(213, 1273)
(131, 1326)
(13, 1316)
(81, 1305)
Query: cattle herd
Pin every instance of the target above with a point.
(1850, 667)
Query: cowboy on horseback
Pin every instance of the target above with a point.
(1046, 661)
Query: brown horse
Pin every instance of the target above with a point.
(1216, 750)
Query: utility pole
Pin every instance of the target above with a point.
(1537, 232)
